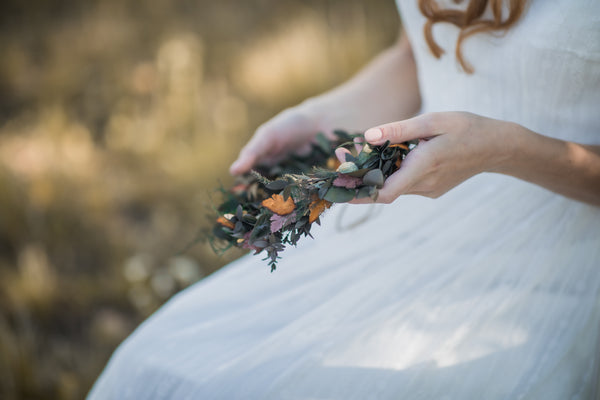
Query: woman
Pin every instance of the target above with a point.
(490, 291)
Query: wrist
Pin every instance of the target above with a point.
(510, 144)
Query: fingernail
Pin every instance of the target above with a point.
(373, 134)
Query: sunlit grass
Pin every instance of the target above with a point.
(118, 119)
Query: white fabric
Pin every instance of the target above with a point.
(490, 292)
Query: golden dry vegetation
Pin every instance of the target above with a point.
(118, 118)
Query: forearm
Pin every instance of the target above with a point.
(568, 168)
(385, 90)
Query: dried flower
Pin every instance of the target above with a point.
(316, 209)
(272, 207)
(347, 167)
(279, 205)
(347, 181)
(225, 222)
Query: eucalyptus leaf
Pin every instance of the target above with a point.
(347, 167)
(249, 219)
(323, 143)
(277, 185)
(363, 192)
(339, 195)
(239, 227)
(374, 193)
(374, 178)
(260, 243)
(359, 173)
(387, 167)
(351, 158)
(372, 163)
(363, 157)
(323, 190)
(324, 173)
(287, 192)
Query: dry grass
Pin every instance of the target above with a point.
(117, 119)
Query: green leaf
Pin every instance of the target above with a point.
(374, 178)
(260, 244)
(229, 206)
(387, 166)
(363, 158)
(324, 173)
(372, 163)
(363, 192)
(287, 192)
(323, 143)
(220, 233)
(374, 193)
(342, 135)
(276, 185)
(350, 158)
(339, 195)
(323, 191)
(249, 219)
(359, 173)
(301, 223)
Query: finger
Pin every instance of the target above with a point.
(244, 163)
(402, 181)
(249, 155)
(420, 127)
(256, 149)
(397, 184)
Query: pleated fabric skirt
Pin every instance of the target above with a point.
(490, 292)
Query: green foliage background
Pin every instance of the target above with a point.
(118, 118)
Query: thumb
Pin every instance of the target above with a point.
(420, 127)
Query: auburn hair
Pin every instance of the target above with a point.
(469, 20)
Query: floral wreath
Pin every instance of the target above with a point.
(273, 206)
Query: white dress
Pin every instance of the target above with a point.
(490, 292)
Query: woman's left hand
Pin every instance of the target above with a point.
(453, 146)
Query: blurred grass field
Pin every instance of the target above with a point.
(118, 119)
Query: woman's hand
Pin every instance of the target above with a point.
(289, 131)
(454, 146)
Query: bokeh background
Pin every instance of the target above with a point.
(118, 119)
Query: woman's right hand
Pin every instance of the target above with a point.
(289, 131)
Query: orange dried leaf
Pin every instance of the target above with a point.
(278, 205)
(316, 208)
(225, 222)
(401, 145)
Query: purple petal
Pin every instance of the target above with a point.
(347, 181)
